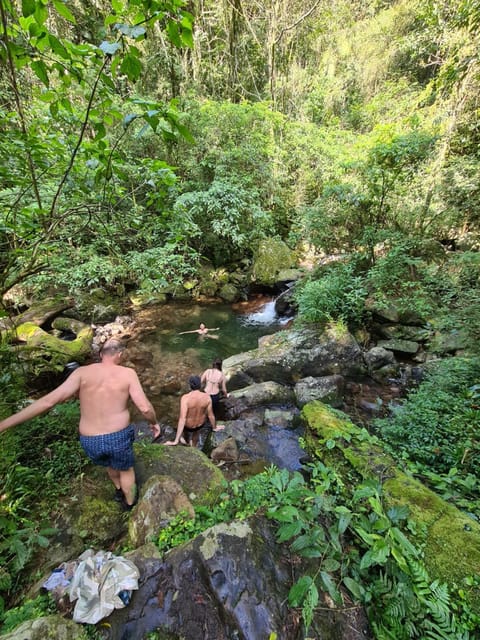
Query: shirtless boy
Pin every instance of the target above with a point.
(106, 435)
(195, 413)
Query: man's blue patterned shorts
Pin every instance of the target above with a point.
(111, 449)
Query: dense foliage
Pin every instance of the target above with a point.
(365, 555)
(141, 140)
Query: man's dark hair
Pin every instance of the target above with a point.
(194, 382)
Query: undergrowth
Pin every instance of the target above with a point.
(365, 552)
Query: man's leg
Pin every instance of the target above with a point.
(124, 480)
(128, 486)
(114, 475)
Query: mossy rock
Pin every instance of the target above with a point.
(199, 478)
(452, 539)
(271, 257)
(54, 627)
(59, 350)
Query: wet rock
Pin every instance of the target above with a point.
(329, 389)
(263, 393)
(378, 357)
(226, 451)
(283, 418)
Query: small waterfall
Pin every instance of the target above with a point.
(266, 315)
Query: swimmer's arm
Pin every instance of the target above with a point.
(143, 404)
(183, 332)
(64, 392)
(181, 421)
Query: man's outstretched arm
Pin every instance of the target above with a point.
(143, 404)
(64, 392)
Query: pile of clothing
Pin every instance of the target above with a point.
(99, 582)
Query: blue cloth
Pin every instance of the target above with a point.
(113, 450)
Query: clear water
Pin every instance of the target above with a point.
(237, 332)
(164, 359)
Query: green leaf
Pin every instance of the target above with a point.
(40, 70)
(131, 67)
(58, 47)
(174, 34)
(64, 11)
(187, 36)
(405, 543)
(288, 530)
(355, 588)
(40, 13)
(28, 7)
(286, 514)
(299, 590)
(331, 587)
(330, 564)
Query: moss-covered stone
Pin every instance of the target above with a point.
(271, 257)
(36, 339)
(199, 478)
(95, 523)
(452, 539)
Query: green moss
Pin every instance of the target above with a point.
(95, 521)
(452, 539)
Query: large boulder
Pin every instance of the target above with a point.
(54, 626)
(329, 389)
(293, 354)
(271, 257)
(161, 499)
(231, 581)
(263, 393)
(199, 479)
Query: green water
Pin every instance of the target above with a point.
(237, 332)
(165, 359)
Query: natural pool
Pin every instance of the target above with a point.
(164, 359)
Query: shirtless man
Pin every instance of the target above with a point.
(106, 435)
(195, 413)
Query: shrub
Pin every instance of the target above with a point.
(439, 423)
(338, 294)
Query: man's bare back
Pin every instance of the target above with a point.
(195, 410)
(195, 406)
(104, 391)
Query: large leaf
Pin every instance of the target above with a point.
(64, 11)
(131, 67)
(299, 590)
